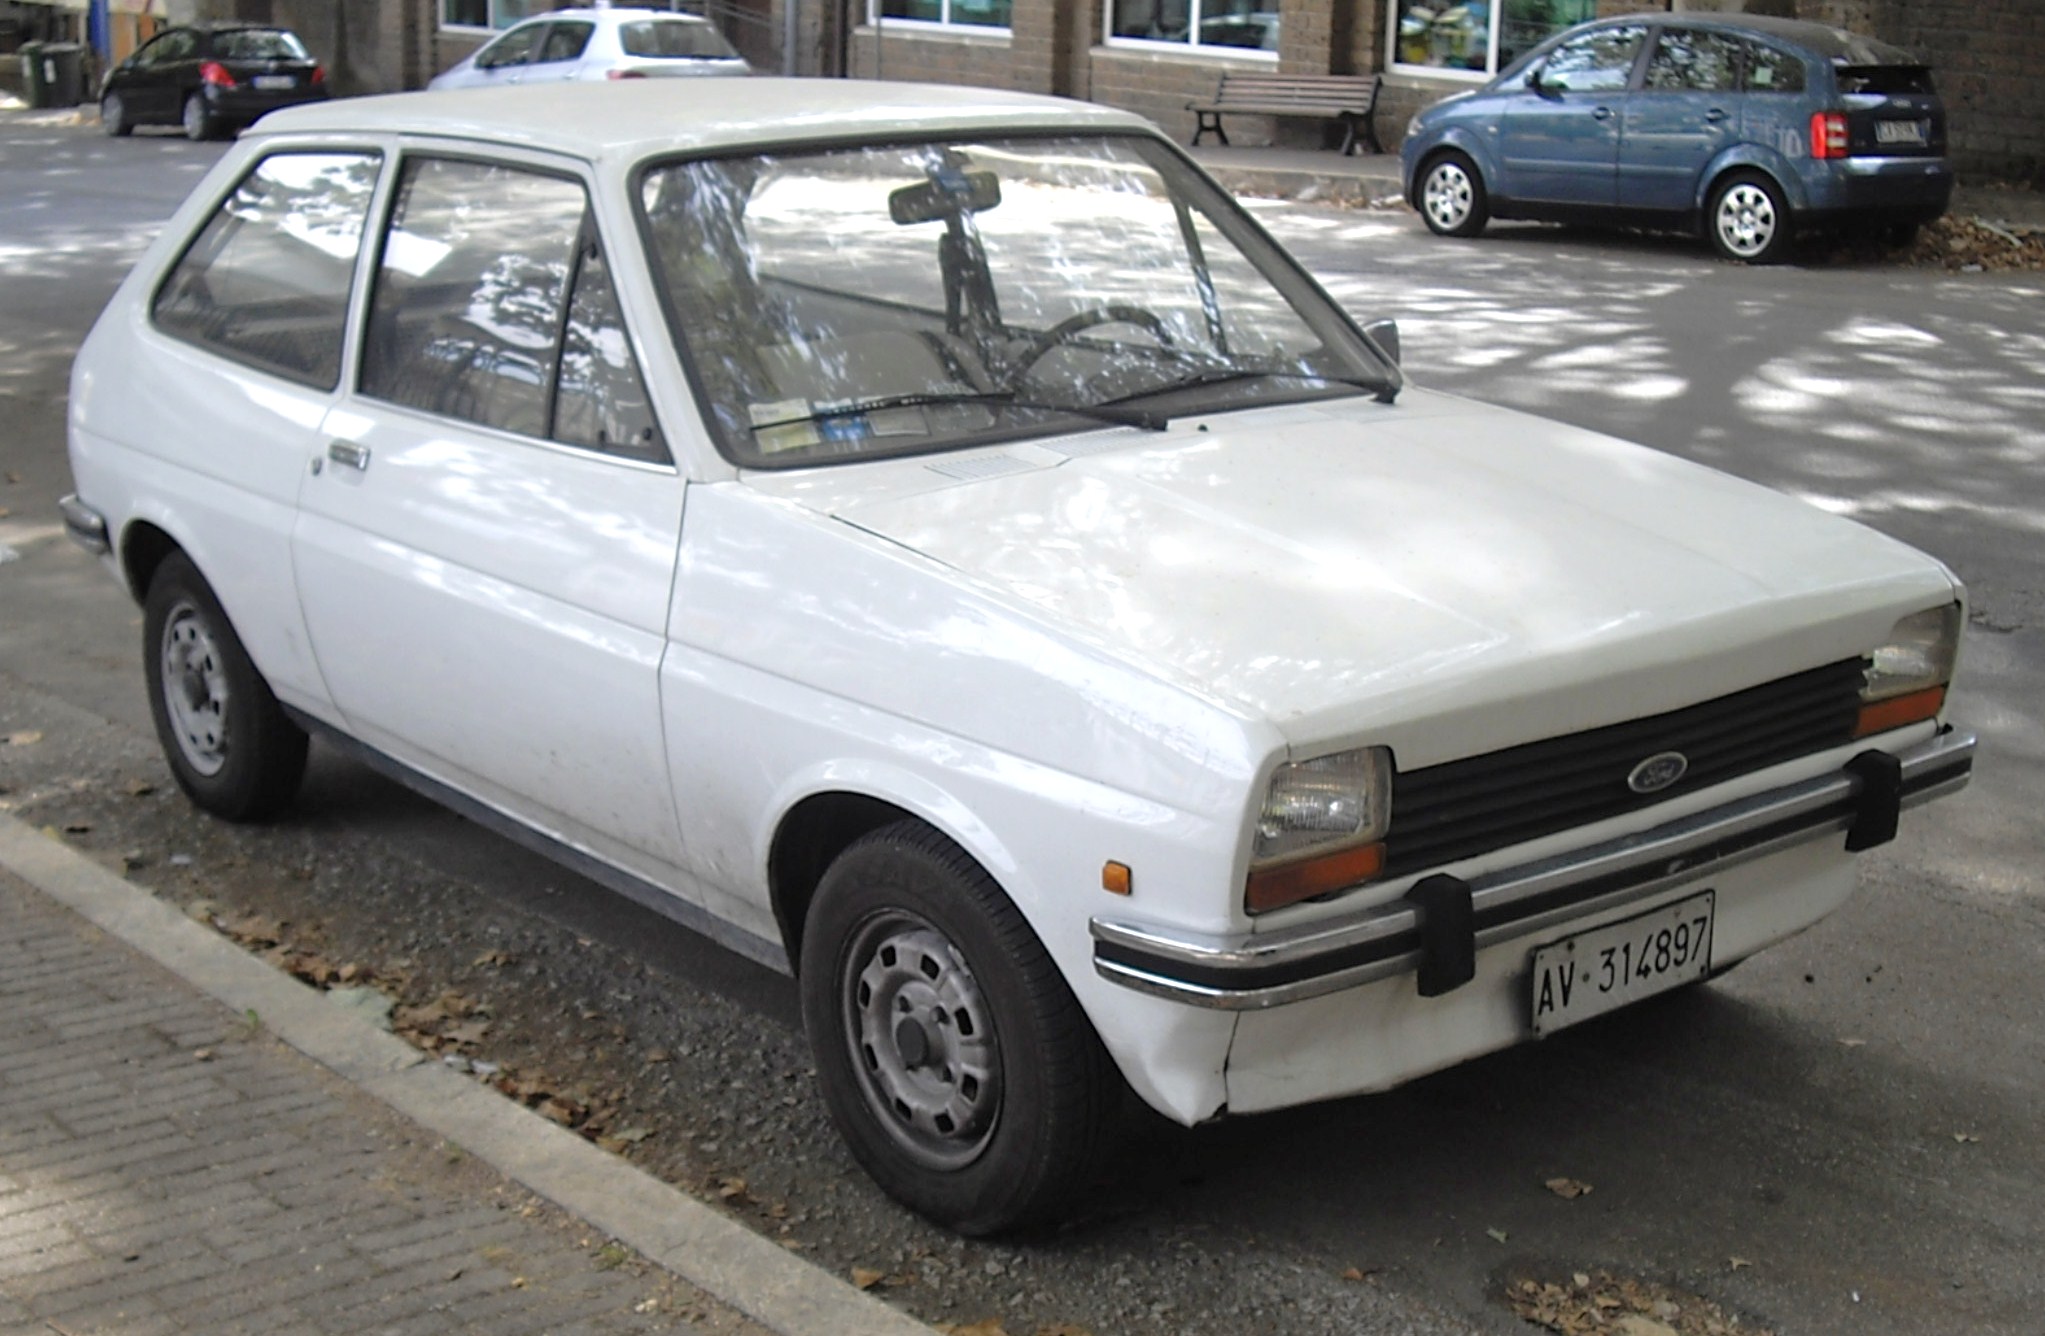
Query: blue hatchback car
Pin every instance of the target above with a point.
(1743, 127)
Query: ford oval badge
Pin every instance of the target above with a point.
(1657, 772)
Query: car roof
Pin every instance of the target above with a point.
(637, 117)
(621, 13)
(1836, 45)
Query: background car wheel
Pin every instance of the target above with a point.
(199, 123)
(954, 1058)
(113, 116)
(229, 744)
(1748, 219)
(1452, 199)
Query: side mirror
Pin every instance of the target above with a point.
(1534, 83)
(1385, 334)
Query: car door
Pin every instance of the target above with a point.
(559, 56)
(486, 543)
(153, 89)
(504, 61)
(1559, 135)
(1685, 113)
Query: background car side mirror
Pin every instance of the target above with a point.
(1385, 334)
(1534, 81)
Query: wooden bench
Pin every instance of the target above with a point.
(1351, 99)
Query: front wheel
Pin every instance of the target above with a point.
(230, 745)
(113, 116)
(954, 1059)
(1748, 219)
(1452, 198)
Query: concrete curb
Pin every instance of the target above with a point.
(730, 1262)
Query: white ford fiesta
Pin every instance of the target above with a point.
(934, 542)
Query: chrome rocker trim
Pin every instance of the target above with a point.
(1437, 929)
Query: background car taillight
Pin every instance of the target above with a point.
(215, 73)
(1828, 134)
(318, 76)
(624, 74)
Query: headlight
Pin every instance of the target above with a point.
(1907, 674)
(1319, 827)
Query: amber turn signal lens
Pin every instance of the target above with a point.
(1116, 879)
(1914, 708)
(1274, 888)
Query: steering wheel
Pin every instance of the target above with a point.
(1150, 322)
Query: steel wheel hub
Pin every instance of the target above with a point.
(195, 690)
(1447, 195)
(1746, 220)
(923, 1039)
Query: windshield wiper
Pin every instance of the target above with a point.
(1107, 412)
(1383, 389)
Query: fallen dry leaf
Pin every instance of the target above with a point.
(865, 1277)
(986, 1326)
(1497, 1234)
(28, 737)
(1735, 1263)
(732, 1190)
(1965, 1138)
(1569, 1189)
(1853, 1043)
(140, 788)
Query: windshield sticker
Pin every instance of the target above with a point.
(783, 424)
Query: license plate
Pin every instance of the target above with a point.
(275, 81)
(1901, 132)
(1606, 968)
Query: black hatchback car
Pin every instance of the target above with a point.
(211, 80)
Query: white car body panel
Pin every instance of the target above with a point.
(603, 53)
(1101, 652)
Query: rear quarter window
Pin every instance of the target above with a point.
(674, 38)
(266, 280)
(1888, 80)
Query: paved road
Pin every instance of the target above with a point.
(1853, 1117)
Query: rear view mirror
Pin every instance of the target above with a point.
(1385, 334)
(948, 192)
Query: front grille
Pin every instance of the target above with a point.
(1463, 808)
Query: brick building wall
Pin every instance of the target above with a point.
(1986, 56)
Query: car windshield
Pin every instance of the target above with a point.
(258, 44)
(678, 39)
(855, 302)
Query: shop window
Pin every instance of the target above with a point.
(1477, 38)
(488, 13)
(979, 14)
(1227, 25)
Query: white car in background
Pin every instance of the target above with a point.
(934, 541)
(569, 45)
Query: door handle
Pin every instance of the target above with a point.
(1602, 114)
(349, 455)
(1715, 115)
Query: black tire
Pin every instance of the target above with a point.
(1452, 201)
(1747, 219)
(1901, 236)
(230, 745)
(989, 1104)
(113, 116)
(199, 122)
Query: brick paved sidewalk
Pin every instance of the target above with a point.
(166, 1166)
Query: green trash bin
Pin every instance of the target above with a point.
(64, 72)
(34, 89)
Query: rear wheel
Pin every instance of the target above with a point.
(113, 116)
(954, 1058)
(1748, 219)
(230, 745)
(1452, 199)
(199, 122)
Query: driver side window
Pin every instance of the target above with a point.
(514, 48)
(1596, 62)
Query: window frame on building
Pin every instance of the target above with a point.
(1191, 43)
(945, 23)
(1493, 66)
(497, 21)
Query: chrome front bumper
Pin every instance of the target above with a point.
(85, 526)
(1436, 930)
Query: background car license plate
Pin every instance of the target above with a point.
(1901, 132)
(1604, 969)
(275, 81)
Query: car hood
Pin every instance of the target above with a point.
(1338, 567)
